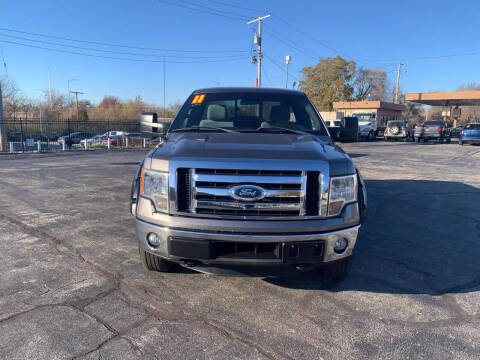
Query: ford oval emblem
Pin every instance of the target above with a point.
(247, 192)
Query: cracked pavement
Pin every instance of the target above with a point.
(72, 286)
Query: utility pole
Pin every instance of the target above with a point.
(259, 48)
(76, 99)
(398, 81)
(50, 88)
(164, 87)
(68, 89)
(287, 61)
(3, 132)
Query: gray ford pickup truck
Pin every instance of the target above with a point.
(250, 178)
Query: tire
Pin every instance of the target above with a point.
(155, 263)
(337, 270)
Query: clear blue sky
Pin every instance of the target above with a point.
(373, 33)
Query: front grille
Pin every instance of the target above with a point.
(183, 189)
(245, 250)
(288, 193)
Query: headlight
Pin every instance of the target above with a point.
(343, 190)
(154, 185)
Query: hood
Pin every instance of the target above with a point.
(290, 148)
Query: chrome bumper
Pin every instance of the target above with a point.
(328, 239)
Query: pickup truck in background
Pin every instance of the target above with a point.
(247, 178)
(432, 130)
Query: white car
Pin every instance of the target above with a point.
(93, 140)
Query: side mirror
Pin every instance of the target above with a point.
(150, 127)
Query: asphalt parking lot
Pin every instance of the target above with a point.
(72, 285)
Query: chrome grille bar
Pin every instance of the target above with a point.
(285, 193)
(219, 205)
(247, 179)
(268, 193)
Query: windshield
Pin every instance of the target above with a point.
(369, 117)
(433, 123)
(249, 112)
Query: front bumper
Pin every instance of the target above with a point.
(185, 246)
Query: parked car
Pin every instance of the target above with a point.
(455, 133)
(398, 130)
(114, 140)
(470, 134)
(432, 130)
(74, 138)
(134, 139)
(230, 186)
(115, 133)
(93, 140)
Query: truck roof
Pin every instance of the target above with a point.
(247, 90)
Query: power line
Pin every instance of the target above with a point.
(124, 59)
(280, 67)
(267, 76)
(312, 38)
(117, 45)
(420, 58)
(116, 52)
(202, 7)
(292, 45)
(215, 12)
(237, 7)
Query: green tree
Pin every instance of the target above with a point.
(329, 81)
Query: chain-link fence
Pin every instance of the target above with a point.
(65, 135)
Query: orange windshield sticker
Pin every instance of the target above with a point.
(200, 99)
(195, 99)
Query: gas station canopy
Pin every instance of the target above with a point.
(446, 98)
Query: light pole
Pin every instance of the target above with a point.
(287, 61)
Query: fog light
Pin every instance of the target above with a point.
(153, 239)
(340, 245)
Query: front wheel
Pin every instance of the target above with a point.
(155, 263)
(337, 270)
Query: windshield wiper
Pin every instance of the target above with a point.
(281, 129)
(203, 128)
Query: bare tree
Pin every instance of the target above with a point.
(370, 83)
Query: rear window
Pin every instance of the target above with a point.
(250, 111)
(395, 123)
(472, 126)
(433, 123)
